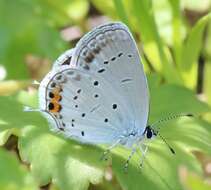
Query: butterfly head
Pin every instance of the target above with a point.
(149, 132)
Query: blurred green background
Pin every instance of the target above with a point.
(173, 37)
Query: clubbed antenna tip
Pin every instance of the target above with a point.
(190, 115)
(172, 150)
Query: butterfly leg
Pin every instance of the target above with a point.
(129, 158)
(143, 149)
(107, 151)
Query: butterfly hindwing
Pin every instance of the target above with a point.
(82, 107)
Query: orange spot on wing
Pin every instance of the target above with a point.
(57, 107)
(56, 98)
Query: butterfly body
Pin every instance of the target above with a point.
(97, 92)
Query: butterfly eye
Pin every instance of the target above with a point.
(82, 133)
(149, 133)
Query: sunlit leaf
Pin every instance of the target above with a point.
(191, 51)
(153, 44)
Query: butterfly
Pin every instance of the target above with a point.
(97, 92)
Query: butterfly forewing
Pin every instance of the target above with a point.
(110, 51)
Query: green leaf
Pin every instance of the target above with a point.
(191, 51)
(206, 86)
(121, 11)
(173, 99)
(177, 29)
(69, 165)
(192, 47)
(13, 116)
(157, 53)
(76, 9)
(31, 35)
(4, 135)
(13, 175)
(207, 42)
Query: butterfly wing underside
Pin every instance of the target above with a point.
(102, 93)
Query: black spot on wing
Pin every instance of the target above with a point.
(67, 61)
(126, 80)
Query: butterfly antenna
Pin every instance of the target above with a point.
(171, 117)
(156, 132)
(164, 140)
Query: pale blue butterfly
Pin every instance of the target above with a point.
(97, 93)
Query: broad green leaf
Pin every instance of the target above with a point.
(69, 165)
(172, 99)
(13, 175)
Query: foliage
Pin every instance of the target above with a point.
(170, 49)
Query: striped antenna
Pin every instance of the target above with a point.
(170, 117)
(156, 131)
